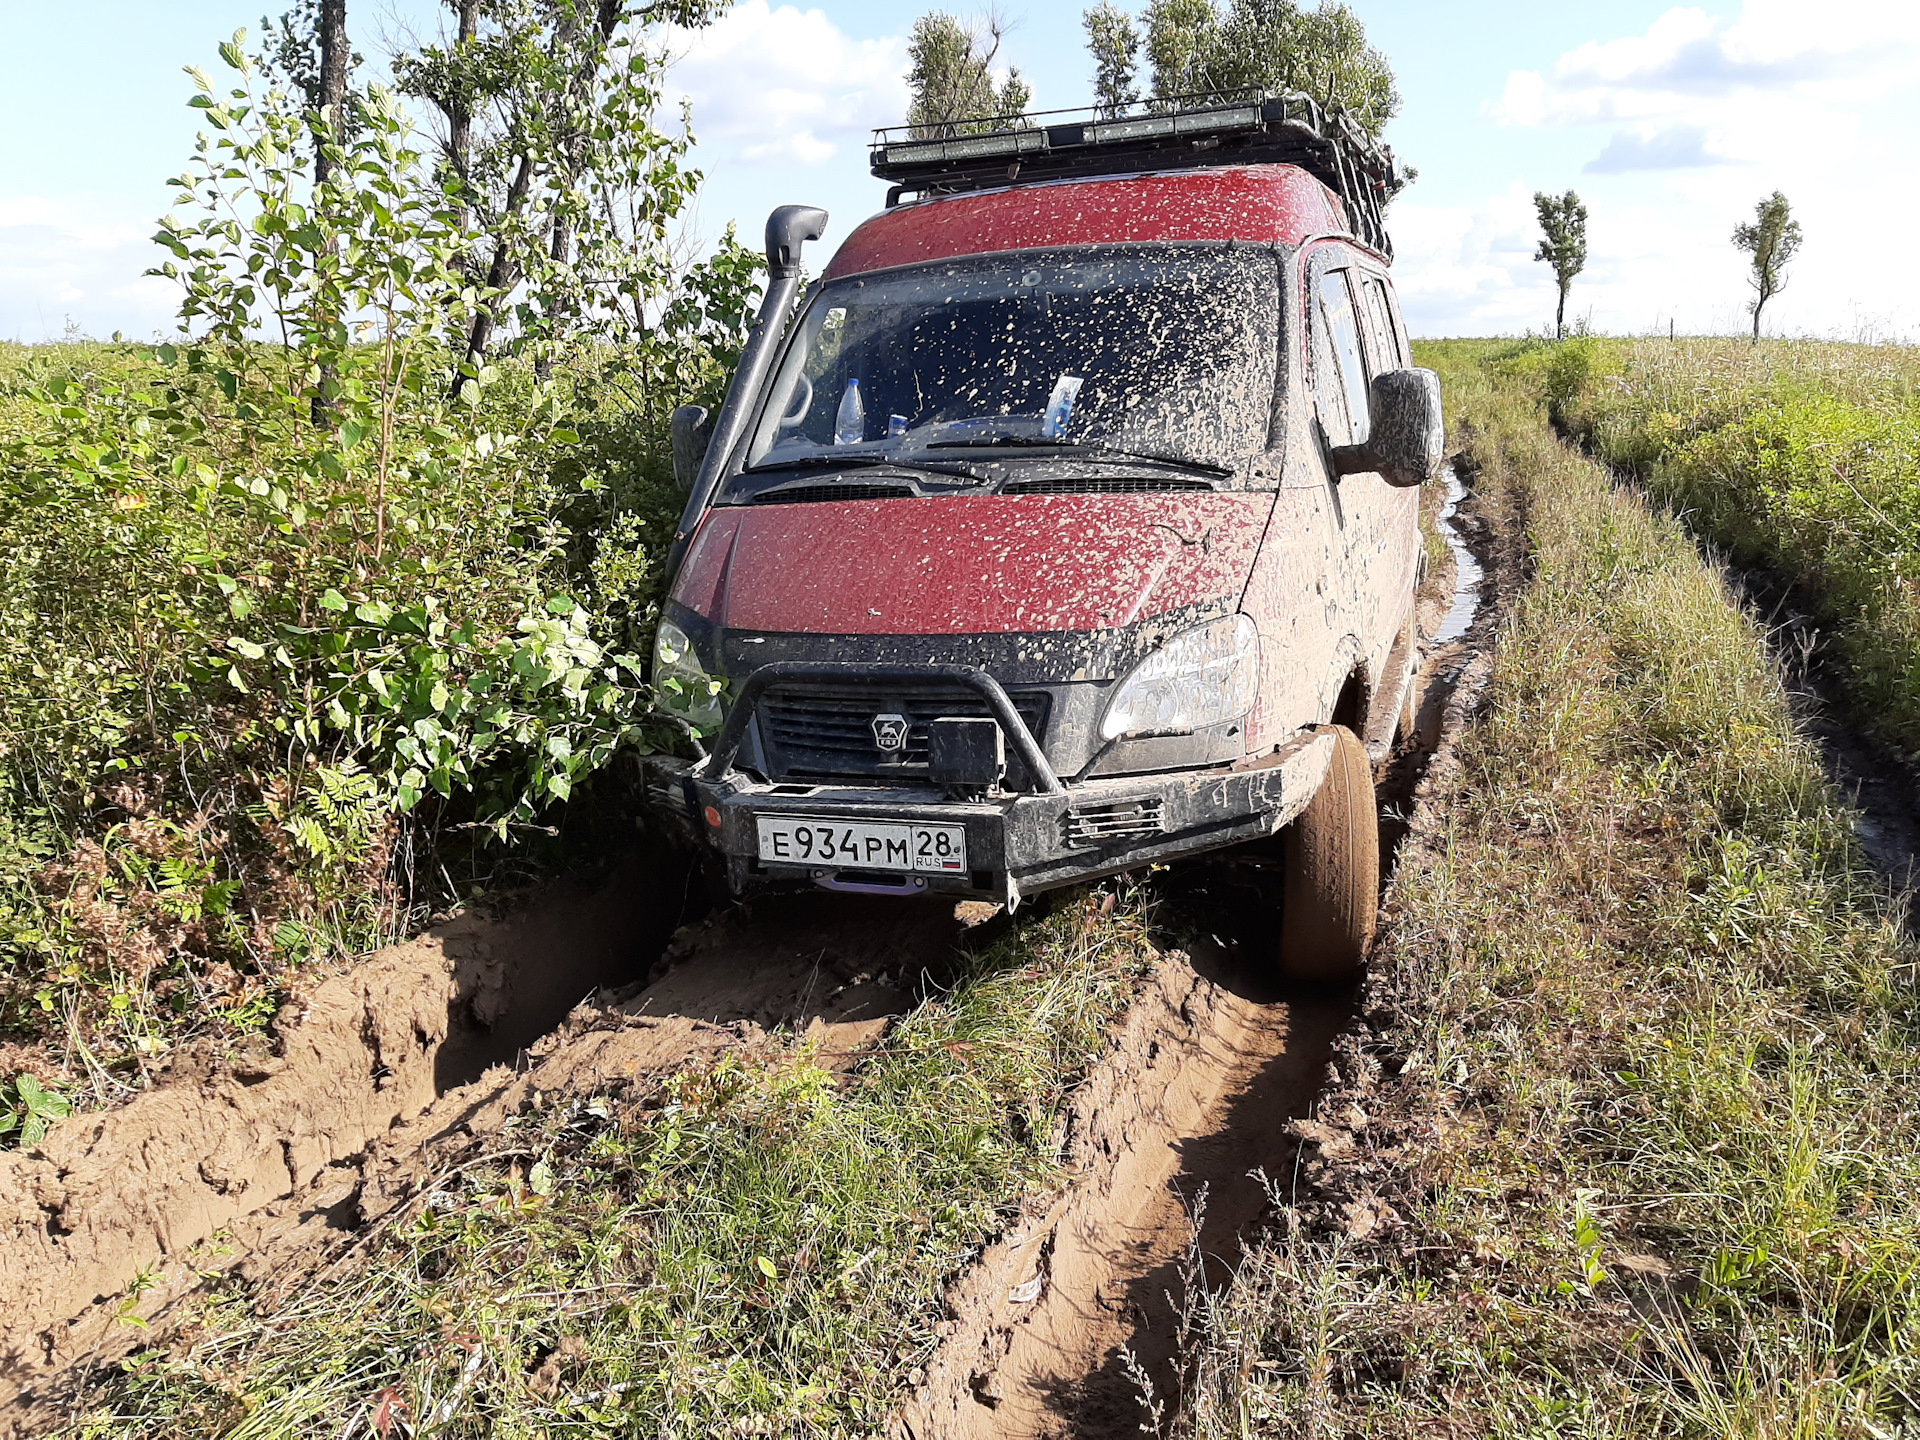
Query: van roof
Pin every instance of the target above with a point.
(1260, 204)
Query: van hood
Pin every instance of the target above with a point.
(969, 565)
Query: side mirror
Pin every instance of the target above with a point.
(691, 428)
(1406, 434)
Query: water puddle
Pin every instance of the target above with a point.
(1467, 573)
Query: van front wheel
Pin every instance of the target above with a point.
(1332, 872)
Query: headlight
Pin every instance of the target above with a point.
(683, 686)
(1204, 676)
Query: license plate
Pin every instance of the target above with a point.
(863, 844)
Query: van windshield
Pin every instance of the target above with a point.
(1152, 350)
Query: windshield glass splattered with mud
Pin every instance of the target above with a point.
(1165, 351)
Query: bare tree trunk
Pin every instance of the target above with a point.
(1756, 318)
(334, 59)
(502, 275)
(460, 111)
(1560, 316)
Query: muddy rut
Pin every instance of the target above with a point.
(380, 1083)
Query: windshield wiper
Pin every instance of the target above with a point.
(839, 462)
(1062, 447)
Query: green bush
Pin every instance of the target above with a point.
(303, 595)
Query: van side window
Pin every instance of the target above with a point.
(1392, 348)
(1343, 339)
(1387, 350)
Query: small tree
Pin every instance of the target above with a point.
(1197, 47)
(952, 77)
(548, 142)
(1770, 242)
(1563, 244)
(1115, 44)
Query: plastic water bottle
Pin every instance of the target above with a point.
(1053, 425)
(850, 425)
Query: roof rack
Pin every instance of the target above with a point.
(1249, 127)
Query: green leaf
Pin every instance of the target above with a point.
(540, 1178)
(333, 600)
(766, 1267)
(352, 432)
(248, 648)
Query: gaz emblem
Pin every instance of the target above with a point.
(890, 733)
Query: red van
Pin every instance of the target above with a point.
(1070, 524)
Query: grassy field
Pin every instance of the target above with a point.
(1630, 1145)
(1799, 458)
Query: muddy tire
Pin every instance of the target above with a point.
(1332, 872)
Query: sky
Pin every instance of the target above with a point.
(1670, 122)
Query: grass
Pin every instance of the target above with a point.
(754, 1250)
(1631, 1144)
(1801, 459)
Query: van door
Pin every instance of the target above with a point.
(1356, 342)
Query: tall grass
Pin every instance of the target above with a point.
(1633, 1146)
(1802, 459)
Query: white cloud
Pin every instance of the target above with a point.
(77, 260)
(786, 86)
(1689, 63)
(1670, 147)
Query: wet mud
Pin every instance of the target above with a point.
(275, 1163)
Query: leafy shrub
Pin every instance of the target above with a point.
(287, 607)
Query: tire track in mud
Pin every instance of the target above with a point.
(386, 1078)
(1881, 781)
(1070, 1322)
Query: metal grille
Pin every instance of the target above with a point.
(1123, 820)
(826, 731)
(801, 493)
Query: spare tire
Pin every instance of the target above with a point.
(1332, 872)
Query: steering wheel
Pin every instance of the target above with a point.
(803, 389)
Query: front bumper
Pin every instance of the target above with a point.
(1017, 845)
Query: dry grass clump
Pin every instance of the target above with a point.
(1630, 1143)
(754, 1248)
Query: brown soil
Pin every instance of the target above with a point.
(1193, 1097)
(284, 1162)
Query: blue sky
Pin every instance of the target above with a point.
(1669, 121)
